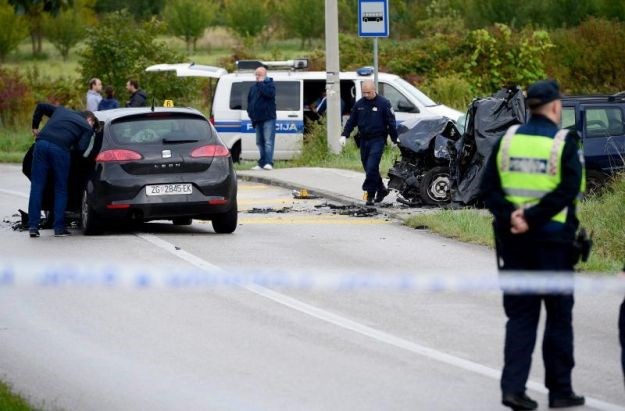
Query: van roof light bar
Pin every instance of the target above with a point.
(295, 64)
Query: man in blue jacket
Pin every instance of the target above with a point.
(261, 107)
(65, 130)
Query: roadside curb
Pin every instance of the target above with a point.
(344, 200)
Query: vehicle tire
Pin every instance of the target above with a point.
(182, 221)
(435, 186)
(88, 218)
(235, 152)
(595, 181)
(226, 223)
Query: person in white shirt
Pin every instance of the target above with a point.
(93, 95)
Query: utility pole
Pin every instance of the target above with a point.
(333, 85)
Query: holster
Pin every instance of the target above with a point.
(581, 246)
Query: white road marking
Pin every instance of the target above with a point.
(364, 330)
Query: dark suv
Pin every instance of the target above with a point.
(600, 121)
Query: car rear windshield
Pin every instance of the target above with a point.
(287, 95)
(161, 128)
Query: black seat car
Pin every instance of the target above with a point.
(155, 164)
(600, 120)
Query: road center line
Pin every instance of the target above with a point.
(364, 330)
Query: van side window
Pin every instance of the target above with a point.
(604, 121)
(399, 102)
(287, 95)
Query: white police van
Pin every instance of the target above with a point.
(296, 92)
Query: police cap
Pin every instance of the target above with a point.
(542, 92)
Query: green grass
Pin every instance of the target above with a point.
(12, 402)
(14, 144)
(603, 215)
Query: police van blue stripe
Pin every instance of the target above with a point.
(245, 126)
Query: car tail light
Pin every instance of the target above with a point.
(211, 151)
(212, 120)
(117, 155)
(218, 201)
(117, 206)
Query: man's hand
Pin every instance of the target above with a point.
(342, 141)
(518, 222)
(36, 132)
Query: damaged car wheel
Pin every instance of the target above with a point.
(435, 186)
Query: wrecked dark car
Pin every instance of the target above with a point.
(422, 175)
(439, 164)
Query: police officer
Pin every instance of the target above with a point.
(64, 131)
(531, 184)
(374, 116)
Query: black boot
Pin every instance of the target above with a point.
(383, 192)
(571, 400)
(370, 197)
(519, 402)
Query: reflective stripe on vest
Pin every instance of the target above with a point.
(530, 167)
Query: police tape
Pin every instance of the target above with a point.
(51, 275)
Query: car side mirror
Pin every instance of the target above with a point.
(407, 107)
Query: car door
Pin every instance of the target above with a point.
(603, 133)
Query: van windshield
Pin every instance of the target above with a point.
(415, 92)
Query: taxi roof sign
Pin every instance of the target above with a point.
(168, 103)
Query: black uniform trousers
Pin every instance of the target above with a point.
(371, 150)
(523, 312)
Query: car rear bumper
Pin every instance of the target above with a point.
(126, 197)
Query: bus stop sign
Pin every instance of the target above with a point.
(373, 18)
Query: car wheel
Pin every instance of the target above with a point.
(435, 186)
(182, 221)
(595, 181)
(88, 217)
(226, 223)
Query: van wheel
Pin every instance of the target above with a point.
(182, 221)
(435, 186)
(595, 181)
(226, 223)
(88, 218)
(235, 152)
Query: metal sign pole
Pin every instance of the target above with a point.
(375, 63)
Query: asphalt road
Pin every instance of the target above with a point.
(251, 347)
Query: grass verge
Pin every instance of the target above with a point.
(601, 214)
(12, 402)
(14, 144)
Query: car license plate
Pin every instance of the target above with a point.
(168, 189)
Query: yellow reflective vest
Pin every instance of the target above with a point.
(530, 166)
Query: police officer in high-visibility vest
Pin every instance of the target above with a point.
(531, 184)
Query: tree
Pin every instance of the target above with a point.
(246, 18)
(119, 49)
(65, 30)
(14, 29)
(187, 19)
(304, 19)
(34, 11)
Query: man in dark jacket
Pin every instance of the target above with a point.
(531, 183)
(374, 116)
(64, 131)
(137, 96)
(261, 108)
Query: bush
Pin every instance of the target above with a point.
(588, 58)
(453, 91)
(65, 31)
(16, 100)
(187, 19)
(67, 91)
